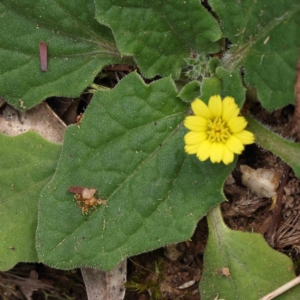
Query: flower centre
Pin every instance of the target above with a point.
(217, 130)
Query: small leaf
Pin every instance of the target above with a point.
(130, 148)
(190, 91)
(159, 34)
(286, 150)
(210, 86)
(27, 163)
(225, 83)
(237, 262)
(78, 48)
(265, 40)
(232, 84)
(213, 64)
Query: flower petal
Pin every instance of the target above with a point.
(203, 152)
(230, 109)
(246, 137)
(237, 124)
(215, 105)
(234, 145)
(195, 123)
(200, 109)
(229, 100)
(228, 156)
(191, 149)
(216, 152)
(195, 137)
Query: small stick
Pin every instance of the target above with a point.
(43, 56)
(277, 210)
(282, 289)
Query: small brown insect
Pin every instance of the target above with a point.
(85, 198)
(43, 56)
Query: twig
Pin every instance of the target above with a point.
(270, 235)
(282, 289)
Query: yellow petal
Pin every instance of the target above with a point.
(195, 123)
(246, 137)
(203, 152)
(193, 137)
(228, 156)
(228, 101)
(191, 149)
(215, 105)
(200, 109)
(237, 124)
(216, 152)
(230, 109)
(234, 145)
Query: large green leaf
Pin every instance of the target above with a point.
(159, 34)
(241, 265)
(78, 48)
(27, 163)
(129, 147)
(265, 37)
(286, 150)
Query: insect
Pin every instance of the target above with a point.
(43, 56)
(85, 198)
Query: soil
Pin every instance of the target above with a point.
(174, 272)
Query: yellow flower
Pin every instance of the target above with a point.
(216, 130)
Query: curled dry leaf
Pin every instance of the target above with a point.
(262, 182)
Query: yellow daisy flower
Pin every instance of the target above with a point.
(216, 130)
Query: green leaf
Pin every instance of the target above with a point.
(232, 84)
(78, 48)
(265, 40)
(213, 64)
(288, 151)
(27, 162)
(190, 91)
(225, 83)
(130, 148)
(159, 34)
(255, 268)
(210, 86)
